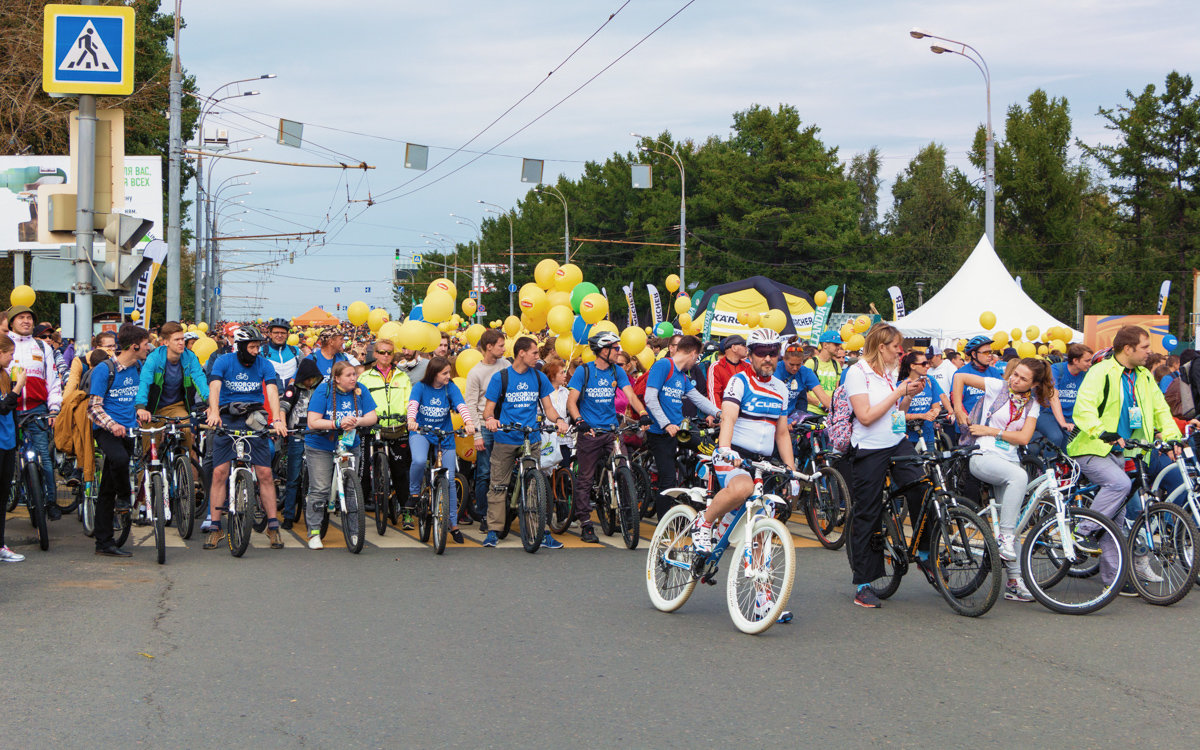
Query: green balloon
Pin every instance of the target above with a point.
(663, 330)
(581, 291)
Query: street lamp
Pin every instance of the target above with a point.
(497, 210)
(989, 173)
(212, 101)
(678, 161)
(566, 218)
(478, 244)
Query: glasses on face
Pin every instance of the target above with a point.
(765, 351)
(920, 364)
(381, 352)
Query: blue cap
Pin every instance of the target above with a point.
(831, 337)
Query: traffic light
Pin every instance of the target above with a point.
(122, 268)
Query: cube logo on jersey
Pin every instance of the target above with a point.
(761, 406)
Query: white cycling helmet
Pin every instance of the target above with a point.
(764, 337)
(603, 340)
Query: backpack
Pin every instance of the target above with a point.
(85, 380)
(1179, 394)
(840, 422)
(639, 387)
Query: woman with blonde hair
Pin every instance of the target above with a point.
(877, 435)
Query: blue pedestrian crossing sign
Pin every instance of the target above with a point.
(88, 49)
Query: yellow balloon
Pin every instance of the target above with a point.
(1025, 349)
(753, 319)
(645, 358)
(293, 339)
(377, 318)
(467, 359)
(135, 316)
(672, 283)
(1043, 350)
(846, 331)
(509, 343)
(962, 344)
(856, 343)
(820, 298)
(862, 324)
(473, 332)
(685, 321)
(469, 306)
(649, 331)
(543, 273)
(773, 319)
(357, 312)
(559, 299)
(987, 320)
(605, 325)
(389, 331)
(560, 318)
(565, 346)
(593, 308)
(567, 277)
(512, 324)
(22, 295)
(633, 340)
(1031, 333)
(203, 348)
(1015, 335)
(1059, 346)
(446, 327)
(744, 318)
(433, 337)
(683, 303)
(1000, 339)
(437, 307)
(533, 301)
(587, 355)
(191, 327)
(442, 285)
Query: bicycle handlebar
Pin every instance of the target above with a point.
(439, 433)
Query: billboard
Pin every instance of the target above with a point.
(1098, 330)
(20, 177)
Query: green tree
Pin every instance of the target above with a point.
(863, 171)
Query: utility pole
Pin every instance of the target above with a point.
(174, 273)
(85, 197)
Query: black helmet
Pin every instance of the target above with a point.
(279, 323)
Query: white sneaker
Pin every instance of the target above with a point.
(1008, 546)
(7, 555)
(1142, 569)
(1017, 591)
(762, 604)
(701, 535)
(314, 541)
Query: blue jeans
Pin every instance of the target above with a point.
(40, 437)
(295, 462)
(419, 444)
(483, 472)
(1047, 427)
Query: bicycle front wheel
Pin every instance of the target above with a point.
(531, 508)
(1162, 546)
(966, 562)
(381, 485)
(559, 517)
(440, 517)
(760, 576)
(37, 503)
(183, 496)
(158, 492)
(1045, 562)
(628, 516)
(645, 490)
(240, 518)
(87, 508)
(604, 503)
(828, 509)
(669, 579)
(354, 519)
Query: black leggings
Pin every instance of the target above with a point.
(869, 468)
(8, 464)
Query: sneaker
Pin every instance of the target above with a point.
(1142, 569)
(1017, 591)
(490, 540)
(762, 604)
(483, 526)
(287, 524)
(549, 542)
(7, 555)
(314, 540)
(1128, 590)
(1008, 546)
(588, 534)
(702, 534)
(215, 537)
(53, 512)
(457, 536)
(406, 521)
(273, 538)
(866, 597)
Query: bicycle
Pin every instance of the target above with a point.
(964, 560)
(152, 484)
(529, 493)
(384, 444)
(179, 478)
(433, 507)
(345, 492)
(242, 499)
(615, 491)
(758, 587)
(826, 499)
(28, 486)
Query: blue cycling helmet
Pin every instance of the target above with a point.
(830, 337)
(977, 342)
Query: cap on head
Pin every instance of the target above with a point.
(734, 340)
(16, 310)
(831, 337)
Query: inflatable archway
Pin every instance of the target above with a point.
(756, 294)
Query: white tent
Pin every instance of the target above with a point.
(982, 284)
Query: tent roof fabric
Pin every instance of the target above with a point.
(982, 284)
(316, 317)
(772, 291)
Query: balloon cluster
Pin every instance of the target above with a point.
(1053, 339)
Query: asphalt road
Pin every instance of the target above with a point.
(499, 648)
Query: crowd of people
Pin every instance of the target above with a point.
(756, 387)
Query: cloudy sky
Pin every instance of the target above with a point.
(368, 77)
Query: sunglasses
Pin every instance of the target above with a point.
(765, 351)
(379, 352)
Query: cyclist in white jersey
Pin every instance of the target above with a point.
(753, 425)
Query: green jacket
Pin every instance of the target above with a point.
(391, 397)
(1156, 415)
